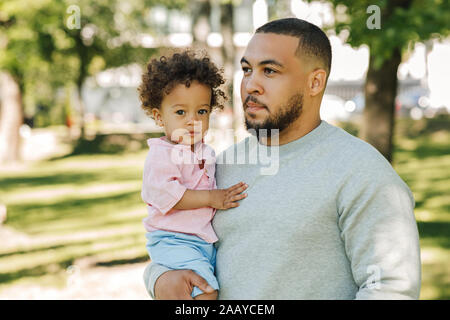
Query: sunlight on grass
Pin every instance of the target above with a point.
(435, 278)
(60, 192)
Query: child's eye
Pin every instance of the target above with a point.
(202, 111)
(179, 112)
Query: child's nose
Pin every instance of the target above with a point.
(194, 123)
(193, 119)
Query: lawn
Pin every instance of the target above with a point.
(85, 209)
(81, 209)
(422, 159)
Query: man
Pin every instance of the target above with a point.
(334, 222)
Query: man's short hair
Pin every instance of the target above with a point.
(313, 42)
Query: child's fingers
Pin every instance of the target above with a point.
(238, 197)
(238, 188)
(229, 205)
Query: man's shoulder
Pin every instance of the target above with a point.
(363, 162)
(354, 148)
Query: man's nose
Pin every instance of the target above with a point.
(252, 85)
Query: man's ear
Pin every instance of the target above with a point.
(317, 81)
(157, 116)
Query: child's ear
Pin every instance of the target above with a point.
(157, 116)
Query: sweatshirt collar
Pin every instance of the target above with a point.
(313, 136)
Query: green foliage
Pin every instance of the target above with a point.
(39, 47)
(402, 24)
(46, 115)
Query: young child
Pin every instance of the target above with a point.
(179, 186)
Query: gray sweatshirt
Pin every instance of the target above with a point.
(326, 217)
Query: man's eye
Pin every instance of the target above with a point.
(180, 112)
(203, 111)
(246, 69)
(269, 71)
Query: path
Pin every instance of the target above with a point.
(101, 283)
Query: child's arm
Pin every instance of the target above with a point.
(217, 198)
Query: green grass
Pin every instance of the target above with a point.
(86, 209)
(78, 208)
(422, 159)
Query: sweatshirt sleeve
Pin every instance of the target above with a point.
(151, 273)
(162, 187)
(380, 234)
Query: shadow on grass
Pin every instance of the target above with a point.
(426, 149)
(435, 232)
(35, 272)
(22, 215)
(34, 250)
(119, 262)
(77, 178)
(429, 149)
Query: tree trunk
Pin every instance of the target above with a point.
(80, 106)
(201, 11)
(228, 51)
(11, 118)
(379, 112)
(83, 55)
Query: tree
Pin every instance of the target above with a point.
(43, 45)
(388, 28)
(228, 49)
(201, 27)
(11, 119)
(17, 47)
(102, 34)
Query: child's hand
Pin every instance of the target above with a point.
(226, 198)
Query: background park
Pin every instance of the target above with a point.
(73, 136)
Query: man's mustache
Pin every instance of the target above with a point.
(254, 100)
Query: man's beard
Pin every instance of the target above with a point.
(286, 115)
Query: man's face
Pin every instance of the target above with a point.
(273, 83)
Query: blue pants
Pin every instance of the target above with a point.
(176, 250)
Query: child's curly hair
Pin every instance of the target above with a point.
(163, 74)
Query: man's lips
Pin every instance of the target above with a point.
(252, 107)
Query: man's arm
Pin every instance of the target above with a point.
(165, 284)
(380, 234)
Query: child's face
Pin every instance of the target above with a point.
(184, 113)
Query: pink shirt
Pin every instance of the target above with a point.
(169, 170)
